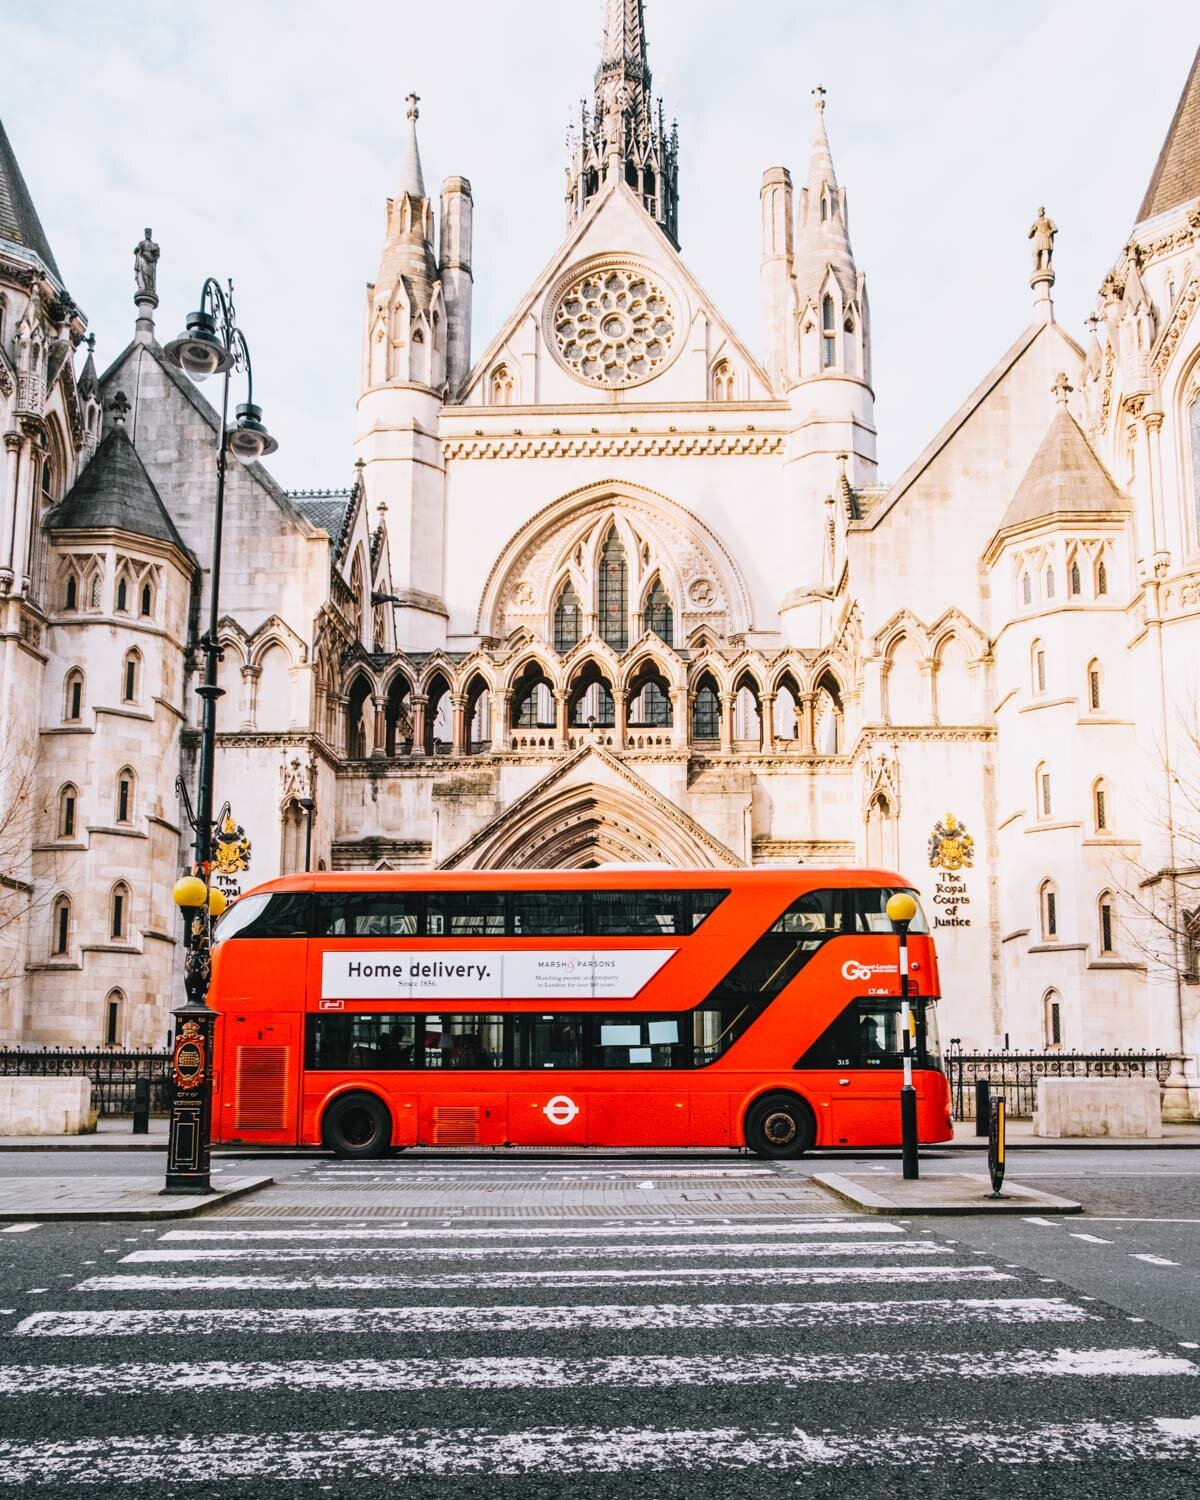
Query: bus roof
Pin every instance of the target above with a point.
(604, 877)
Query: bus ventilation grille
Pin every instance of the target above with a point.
(455, 1126)
(261, 1088)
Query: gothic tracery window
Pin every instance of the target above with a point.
(723, 382)
(502, 386)
(613, 592)
(568, 619)
(828, 335)
(659, 616)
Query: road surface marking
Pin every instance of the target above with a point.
(785, 1227)
(456, 1318)
(622, 1371)
(650, 1276)
(1045, 1223)
(339, 1253)
(19, 1228)
(1155, 1260)
(307, 1456)
(1091, 1239)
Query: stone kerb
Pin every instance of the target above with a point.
(1097, 1107)
(46, 1106)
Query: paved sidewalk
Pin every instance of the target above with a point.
(939, 1193)
(1019, 1136)
(43, 1198)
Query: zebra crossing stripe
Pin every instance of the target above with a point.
(788, 1227)
(566, 1279)
(622, 1317)
(307, 1456)
(339, 1252)
(623, 1371)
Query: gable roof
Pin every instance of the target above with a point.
(328, 509)
(114, 491)
(1065, 477)
(19, 221)
(1176, 176)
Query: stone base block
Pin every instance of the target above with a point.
(46, 1106)
(1098, 1107)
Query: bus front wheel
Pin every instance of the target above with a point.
(780, 1126)
(358, 1125)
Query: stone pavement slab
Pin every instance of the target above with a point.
(44, 1198)
(1019, 1135)
(939, 1193)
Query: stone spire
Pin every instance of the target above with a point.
(623, 135)
(412, 180)
(1176, 176)
(19, 222)
(823, 238)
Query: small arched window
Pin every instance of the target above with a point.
(114, 1007)
(1026, 589)
(1101, 578)
(1101, 806)
(146, 606)
(1094, 686)
(68, 810)
(1049, 583)
(73, 697)
(1076, 578)
(722, 382)
(1048, 904)
(568, 619)
(503, 386)
(1052, 1011)
(1038, 667)
(828, 334)
(126, 782)
(60, 926)
(706, 713)
(118, 908)
(659, 616)
(1042, 790)
(94, 592)
(71, 595)
(1106, 912)
(122, 596)
(47, 485)
(131, 676)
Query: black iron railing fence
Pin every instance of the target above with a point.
(1016, 1074)
(113, 1074)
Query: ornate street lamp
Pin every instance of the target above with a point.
(213, 344)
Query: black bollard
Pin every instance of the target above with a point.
(141, 1106)
(983, 1105)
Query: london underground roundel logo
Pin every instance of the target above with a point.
(560, 1110)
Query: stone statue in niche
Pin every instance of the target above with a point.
(1042, 232)
(145, 266)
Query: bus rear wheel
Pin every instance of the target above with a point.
(779, 1127)
(358, 1125)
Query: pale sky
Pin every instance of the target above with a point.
(260, 139)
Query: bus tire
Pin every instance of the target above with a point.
(357, 1125)
(780, 1127)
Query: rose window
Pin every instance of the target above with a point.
(614, 328)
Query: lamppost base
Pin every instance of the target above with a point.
(908, 1132)
(189, 1189)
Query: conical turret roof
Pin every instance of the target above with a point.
(19, 222)
(1176, 177)
(114, 491)
(1065, 477)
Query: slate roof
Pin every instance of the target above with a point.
(1064, 478)
(115, 491)
(328, 509)
(1176, 177)
(18, 217)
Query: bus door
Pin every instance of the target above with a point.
(261, 1084)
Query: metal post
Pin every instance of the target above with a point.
(308, 805)
(983, 1105)
(141, 1106)
(908, 1094)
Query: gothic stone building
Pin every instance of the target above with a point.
(620, 586)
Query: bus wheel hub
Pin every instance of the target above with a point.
(779, 1128)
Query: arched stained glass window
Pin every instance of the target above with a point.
(660, 617)
(614, 592)
(568, 619)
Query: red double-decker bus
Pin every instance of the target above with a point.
(610, 1007)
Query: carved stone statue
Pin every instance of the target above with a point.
(1042, 232)
(145, 267)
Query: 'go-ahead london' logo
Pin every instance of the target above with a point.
(852, 970)
(560, 1110)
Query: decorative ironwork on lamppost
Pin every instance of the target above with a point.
(212, 345)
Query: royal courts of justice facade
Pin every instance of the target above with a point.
(623, 585)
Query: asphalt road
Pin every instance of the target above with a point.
(604, 1327)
